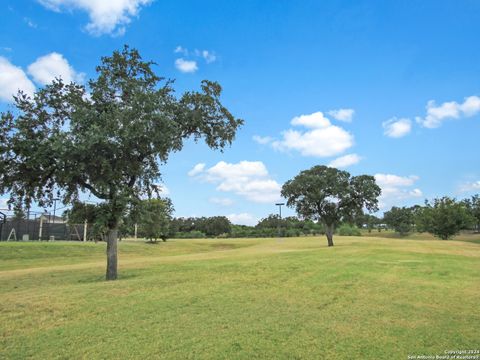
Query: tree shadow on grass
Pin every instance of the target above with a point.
(124, 275)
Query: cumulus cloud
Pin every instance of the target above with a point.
(262, 140)
(470, 186)
(329, 141)
(197, 169)
(397, 128)
(437, 114)
(189, 66)
(43, 71)
(471, 106)
(315, 120)
(342, 114)
(249, 179)
(106, 17)
(48, 67)
(320, 139)
(186, 66)
(345, 161)
(224, 170)
(221, 201)
(242, 219)
(12, 79)
(395, 180)
(396, 188)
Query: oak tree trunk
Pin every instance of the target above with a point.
(329, 234)
(112, 254)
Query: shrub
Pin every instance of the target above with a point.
(348, 230)
(190, 235)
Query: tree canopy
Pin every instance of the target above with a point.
(331, 196)
(400, 219)
(94, 214)
(154, 218)
(473, 207)
(215, 225)
(81, 211)
(444, 217)
(108, 138)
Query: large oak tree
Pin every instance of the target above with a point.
(330, 196)
(108, 139)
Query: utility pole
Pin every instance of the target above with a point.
(280, 209)
(54, 208)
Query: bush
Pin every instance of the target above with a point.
(348, 230)
(292, 233)
(190, 235)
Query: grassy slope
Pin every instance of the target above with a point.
(243, 299)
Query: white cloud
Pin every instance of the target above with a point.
(436, 115)
(397, 128)
(12, 79)
(242, 219)
(471, 106)
(315, 120)
(162, 189)
(345, 161)
(197, 169)
(186, 66)
(208, 56)
(181, 50)
(48, 67)
(415, 193)
(263, 140)
(396, 188)
(249, 179)
(221, 201)
(329, 141)
(106, 17)
(470, 186)
(395, 180)
(321, 139)
(224, 170)
(342, 114)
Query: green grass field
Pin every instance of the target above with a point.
(365, 298)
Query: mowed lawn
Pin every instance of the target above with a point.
(365, 298)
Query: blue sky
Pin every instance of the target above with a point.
(405, 75)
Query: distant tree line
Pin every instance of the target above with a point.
(153, 220)
(443, 217)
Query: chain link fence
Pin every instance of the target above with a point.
(40, 229)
